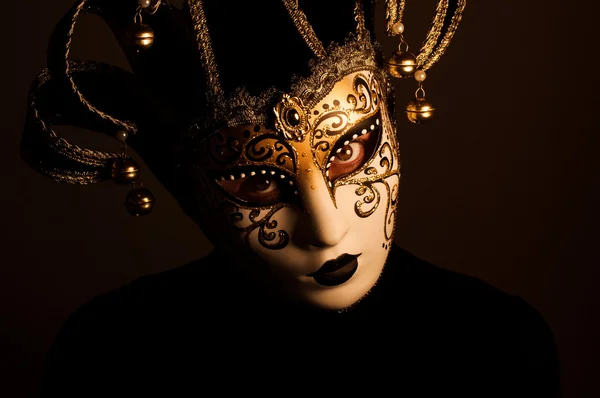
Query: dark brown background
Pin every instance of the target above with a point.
(503, 185)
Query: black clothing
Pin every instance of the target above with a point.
(202, 330)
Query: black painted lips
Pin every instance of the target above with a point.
(337, 271)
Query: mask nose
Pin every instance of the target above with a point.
(323, 224)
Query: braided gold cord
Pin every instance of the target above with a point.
(394, 10)
(74, 177)
(304, 27)
(433, 33)
(359, 17)
(76, 12)
(206, 51)
(434, 46)
(445, 42)
(59, 146)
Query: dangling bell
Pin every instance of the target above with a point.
(140, 37)
(139, 202)
(419, 110)
(402, 64)
(124, 170)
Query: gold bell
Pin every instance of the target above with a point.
(402, 64)
(139, 202)
(140, 36)
(124, 170)
(419, 110)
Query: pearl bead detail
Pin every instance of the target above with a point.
(420, 75)
(398, 28)
(122, 135)
(145, 3)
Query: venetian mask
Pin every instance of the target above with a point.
(313, 194)
(301, 187)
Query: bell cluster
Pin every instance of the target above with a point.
(402, 65)
(125, 171)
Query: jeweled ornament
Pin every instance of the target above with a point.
(293, 117)
(124, 170)
(139, 202)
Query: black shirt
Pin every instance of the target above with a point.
(202, 330)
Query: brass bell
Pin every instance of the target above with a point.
(140, 37)
(419, 110)
(124, 170)
(402, 64)
(139, 202)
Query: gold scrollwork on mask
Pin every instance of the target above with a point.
(267, 237)
(371, 196)
(368, 185)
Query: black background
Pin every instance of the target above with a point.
(503, 185)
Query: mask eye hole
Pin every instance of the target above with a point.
(355, 149)
(258, 188)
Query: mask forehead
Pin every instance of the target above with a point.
(353, 99)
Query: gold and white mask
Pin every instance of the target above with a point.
(306, 181)
(315, 195)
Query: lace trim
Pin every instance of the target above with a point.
(242, 108)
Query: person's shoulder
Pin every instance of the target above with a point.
(491, 328)
(434, 284)
(153, 295)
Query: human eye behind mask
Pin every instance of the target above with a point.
(260, 187)
(354, 149)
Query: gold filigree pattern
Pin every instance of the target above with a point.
(372, 177)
